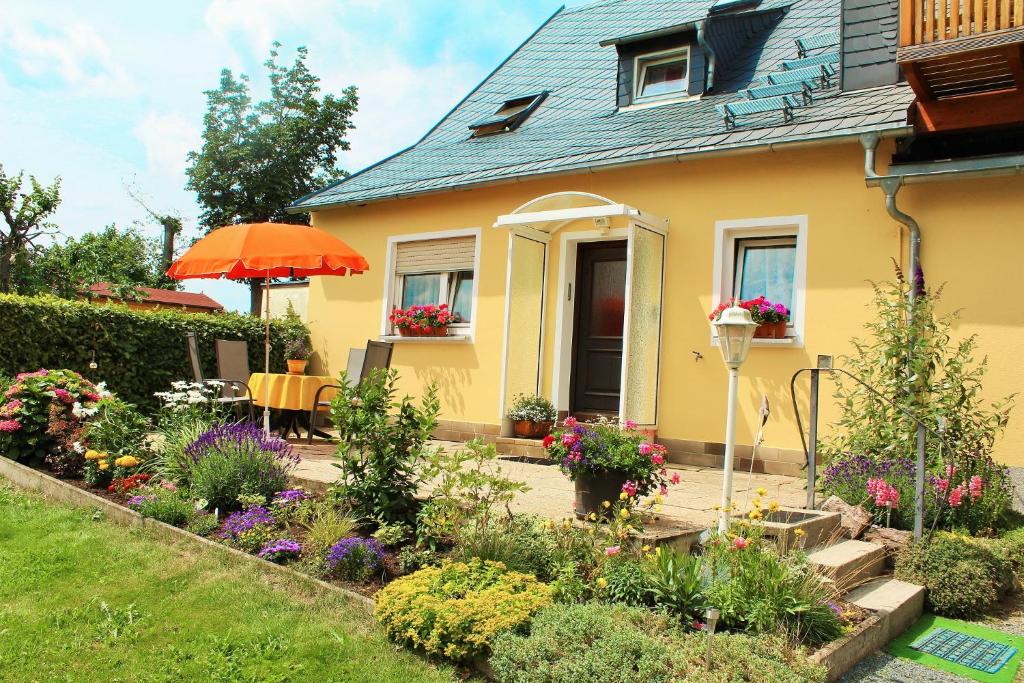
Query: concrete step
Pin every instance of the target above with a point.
(531, 449)
(818, 527)
(848, 563)
(898, 603)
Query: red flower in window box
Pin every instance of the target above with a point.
(422, 321)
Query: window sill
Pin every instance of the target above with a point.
(787, 342)
(450, 339)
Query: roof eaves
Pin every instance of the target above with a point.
(835, 136)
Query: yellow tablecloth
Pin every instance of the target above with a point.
(291, 392)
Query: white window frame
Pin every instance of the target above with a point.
(393, 284)
(642, 62)
(731, 232)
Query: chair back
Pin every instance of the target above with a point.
(354, 369)
(192, 343)
(378, 357)
(232, 363)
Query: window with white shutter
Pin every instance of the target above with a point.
(435, 271)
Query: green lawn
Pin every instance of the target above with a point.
(85, 600)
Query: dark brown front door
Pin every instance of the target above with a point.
(597, 332)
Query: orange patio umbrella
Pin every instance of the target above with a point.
(267, 250)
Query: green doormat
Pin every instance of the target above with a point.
(977, 653)
(962, 648)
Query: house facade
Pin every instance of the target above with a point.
(636, 162)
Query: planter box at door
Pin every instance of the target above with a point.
(529, 429)
(592, 491)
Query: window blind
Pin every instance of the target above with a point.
(432, 256)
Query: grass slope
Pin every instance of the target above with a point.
(84, 600)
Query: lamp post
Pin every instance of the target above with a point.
(735, 329)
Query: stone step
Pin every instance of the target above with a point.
(848, 563)
(898, 603)
(532, 449)
(819, 527)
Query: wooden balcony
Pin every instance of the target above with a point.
(965, 61)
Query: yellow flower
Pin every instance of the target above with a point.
(566, 524)
(91, 455)
(623, 496)
(602, 582)
(756, 504)
(127, 461)
(592, 517)
(716, 508)
(799, 533)
(624, 513)
(657, 508)
(647, 548)
(104, 465)
(658, 498)
(762, 491)
(606, 505)
(628, 529)
(773, 506)
(755, 514)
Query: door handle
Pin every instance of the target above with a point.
(568, 291)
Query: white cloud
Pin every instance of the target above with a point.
(260, 21)
(73, 51)
(167, 139)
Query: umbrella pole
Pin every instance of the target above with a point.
(266, 359)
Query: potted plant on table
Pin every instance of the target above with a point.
(532, 416)
(297, 352)
(608, 462)
(422, 321)
(771, 318)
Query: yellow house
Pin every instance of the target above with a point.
(634, 163)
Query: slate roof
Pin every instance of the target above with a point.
(578, 125)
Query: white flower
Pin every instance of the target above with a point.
(78, 447)
(103, 391)
(215, 383)
(178, 385)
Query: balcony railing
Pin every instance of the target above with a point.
(931, 21)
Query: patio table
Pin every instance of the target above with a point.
(291, 394)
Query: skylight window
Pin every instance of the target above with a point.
(661, 75)
(510, 115)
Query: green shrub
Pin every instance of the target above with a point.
(203, 523)
(325, 524)
(1012, 543)
(391, 534)
(171, 461)
(117, 428)
(138, 352)
(520, 543)
(617, 644)
(629, 581)
(166, 505)
(456, 610)
(964, 576)
(676, 584)
(410, 559)
(381, 442)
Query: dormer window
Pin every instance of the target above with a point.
(661, 75)
(509, 116)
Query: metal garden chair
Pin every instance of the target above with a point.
(361, 362)
(233, 367)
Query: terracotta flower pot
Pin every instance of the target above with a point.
(771, 330)
(592, 491)
(421, 332)
(528, 429)
(296, 367)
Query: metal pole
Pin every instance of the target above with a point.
(730, 446)
(824, 363)
(266, 359)
(919, 484)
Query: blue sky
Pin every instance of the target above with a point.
(108, 93)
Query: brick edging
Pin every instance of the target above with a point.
(27, 478)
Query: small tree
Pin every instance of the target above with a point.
(25, 215)
(257, 157)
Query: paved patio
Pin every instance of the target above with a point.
(690, 503)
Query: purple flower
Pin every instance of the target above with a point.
(355, 558)
(290, 497)
(241, 434)
(238, 523)
(280, 550)
(136, 501)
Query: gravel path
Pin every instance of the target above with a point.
(884, 668)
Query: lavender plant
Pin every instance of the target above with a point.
(233, 460)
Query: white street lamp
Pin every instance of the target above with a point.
(735, 329)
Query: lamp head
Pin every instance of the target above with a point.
(735, 330)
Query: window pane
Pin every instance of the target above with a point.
(663, 78)
(420, 290)
(462, 299)
(767, 270)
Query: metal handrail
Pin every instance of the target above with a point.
(919, 473)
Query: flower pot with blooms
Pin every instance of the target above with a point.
(532, 416)
(423, 321)
(771, 318)
(297, 352)
(608, 462)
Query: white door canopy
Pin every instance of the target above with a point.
(552, 212)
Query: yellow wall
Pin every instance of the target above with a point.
(973, 233)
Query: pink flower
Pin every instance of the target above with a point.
(950, 471)
(169, 485)
(64, 396)
(9, 426)
(646, 448)
(739, 543)
(675, 478)
(13, 391)
(568, 439)
(697, 625)
(956, 496)
(630, 424)
(663, 490)
(11, 408)
(612, 551)
(570, 422)
(658, 459)
(629, 488)
(942, 485)
(884, 493)
(975, 487)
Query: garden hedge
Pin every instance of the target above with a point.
(137, 352)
